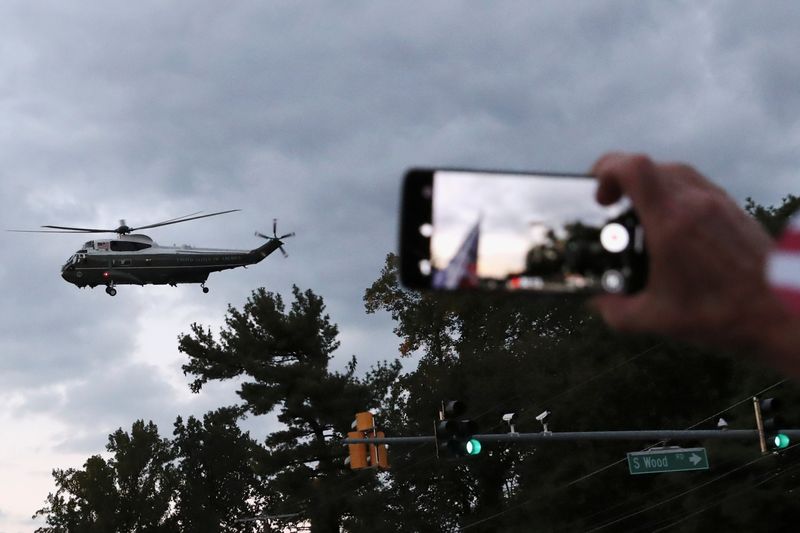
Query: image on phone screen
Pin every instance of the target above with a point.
(526, 232)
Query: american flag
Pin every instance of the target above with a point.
(784, 266)
(462, 271)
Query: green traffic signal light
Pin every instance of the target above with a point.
(473, 447)
(454, 434)
(781, 441)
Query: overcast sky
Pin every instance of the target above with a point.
(515, 212)
(310, 112)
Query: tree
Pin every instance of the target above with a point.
(217, 484)
(283, 356)
(774, 218)
(527, 354)
(496, 353)
(131, 491)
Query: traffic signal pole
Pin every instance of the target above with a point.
(552, 436)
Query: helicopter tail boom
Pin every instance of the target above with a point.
(258, 254)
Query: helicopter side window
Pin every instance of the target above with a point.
(128, 246)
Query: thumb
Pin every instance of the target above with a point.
(623, 313)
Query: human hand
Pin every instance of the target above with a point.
(706, 280)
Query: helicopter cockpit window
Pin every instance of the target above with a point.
(70, 262)
(89, 245)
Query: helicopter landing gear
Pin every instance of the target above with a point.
(111, 291)
(205, 289)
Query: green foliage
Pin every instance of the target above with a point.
(497, 354)
(201, 481)
(131, 491)
(500, 354)
(774, 218)
(282, 358)
(217, 484)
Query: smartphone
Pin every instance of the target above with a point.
(538, 232)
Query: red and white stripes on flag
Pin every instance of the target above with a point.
(784, 266)
(462, 271)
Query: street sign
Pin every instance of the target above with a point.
(667, 460)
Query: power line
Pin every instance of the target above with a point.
(769, 476)
(594, 377)
(745, 400)
(717, 502)
(683, 493)
(615, 463)
(736, 404)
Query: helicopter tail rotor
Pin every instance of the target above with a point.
(276, 237)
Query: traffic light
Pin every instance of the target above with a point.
(768, 423)
(364, 455)
(454, 435)
(378, 454)
(358, 452)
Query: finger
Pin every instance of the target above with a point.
(633, 175)
(605, 160)
(608, 191)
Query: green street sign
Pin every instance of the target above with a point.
(667, 460)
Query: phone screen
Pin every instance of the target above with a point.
(517, 232)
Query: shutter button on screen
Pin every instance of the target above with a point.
(614, 237)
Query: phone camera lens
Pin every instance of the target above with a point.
(425, 267)
(613, 281)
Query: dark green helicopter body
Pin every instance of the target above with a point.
(135, 259)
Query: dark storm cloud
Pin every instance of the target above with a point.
(311, 113)
(49, 335)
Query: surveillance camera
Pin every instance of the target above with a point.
(543, 416)
(510, 417)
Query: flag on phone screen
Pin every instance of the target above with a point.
(784, 266)
(462, 271)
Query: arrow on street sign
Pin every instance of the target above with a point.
(667, 460)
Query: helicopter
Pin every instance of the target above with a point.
(135, 259)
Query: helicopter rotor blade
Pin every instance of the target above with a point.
(122, 229)
(98, 230)
(81, 230)
(46, 231)
(285, 255)
(182, 219)
(292, 234)
(275, 227)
